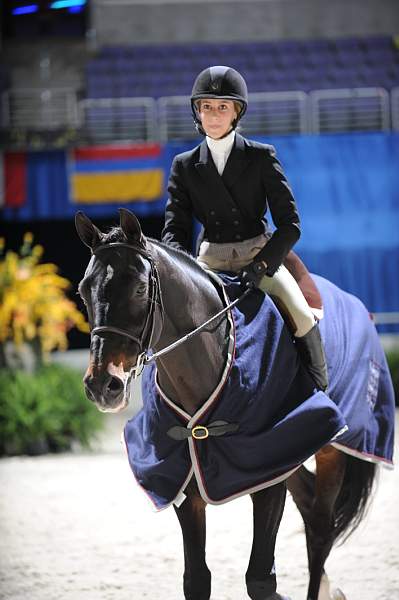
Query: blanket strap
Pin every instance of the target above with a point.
(201, 432)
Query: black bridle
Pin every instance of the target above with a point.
(145, 340)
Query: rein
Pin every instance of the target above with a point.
(155, 299)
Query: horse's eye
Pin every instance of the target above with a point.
(141, 289)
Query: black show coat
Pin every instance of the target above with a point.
(232, 207)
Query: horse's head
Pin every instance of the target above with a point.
(120, 290)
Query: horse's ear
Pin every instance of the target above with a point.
(130, 226)
(87, 231)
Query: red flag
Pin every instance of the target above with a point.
(14, 179)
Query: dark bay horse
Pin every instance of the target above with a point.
(141, 294)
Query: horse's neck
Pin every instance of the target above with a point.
(189, 374)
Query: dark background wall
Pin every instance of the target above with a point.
(154, 21)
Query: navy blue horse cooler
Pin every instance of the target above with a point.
(264, 419)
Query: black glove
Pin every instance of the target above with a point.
(252, 274)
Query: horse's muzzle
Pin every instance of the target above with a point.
(106, 391)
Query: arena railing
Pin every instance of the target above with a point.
(169, 118)
(350, 109)
(395, 108)
(40, 108)
(107, 119)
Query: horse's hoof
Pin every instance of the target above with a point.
(338, 595)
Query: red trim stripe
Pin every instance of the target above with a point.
(109, 152)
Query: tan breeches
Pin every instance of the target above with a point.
(282, 286)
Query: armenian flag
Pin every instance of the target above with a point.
(117, 174)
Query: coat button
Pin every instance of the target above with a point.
(217, 223)
(237, 236)
(234, 209)
(217, 236)
(236, 223)
(212, 213)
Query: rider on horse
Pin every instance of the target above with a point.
(227, 183)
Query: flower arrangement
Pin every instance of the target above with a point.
(43, 407)
(34, 307)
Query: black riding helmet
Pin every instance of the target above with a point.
(222, 83)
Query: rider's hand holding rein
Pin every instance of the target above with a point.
(228, 183)
(251, 276)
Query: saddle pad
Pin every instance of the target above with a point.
(282, 421)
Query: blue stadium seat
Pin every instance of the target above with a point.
(163, 69)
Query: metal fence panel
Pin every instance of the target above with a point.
(276, 113)
(40, 109)
(352, 109)
(175, 119)
(113, 119)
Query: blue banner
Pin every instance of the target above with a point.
(346, 187)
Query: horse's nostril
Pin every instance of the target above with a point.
(115, 385)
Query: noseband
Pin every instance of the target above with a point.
(155, 300)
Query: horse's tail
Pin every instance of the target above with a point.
(353, 498)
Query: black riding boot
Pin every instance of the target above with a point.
(311, 352)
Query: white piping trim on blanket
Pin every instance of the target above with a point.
(340, 432)
(364, 456)
(192, 419)
(179, 497)
(170, 402)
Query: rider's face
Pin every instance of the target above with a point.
(217, 116)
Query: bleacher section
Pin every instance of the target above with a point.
(169, 70)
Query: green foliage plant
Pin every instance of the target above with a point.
(44, 411)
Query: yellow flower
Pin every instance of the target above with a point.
(33, 300)
(28, 237)
(37, 251)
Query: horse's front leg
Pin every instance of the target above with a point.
(268, 507)
(191, 515)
